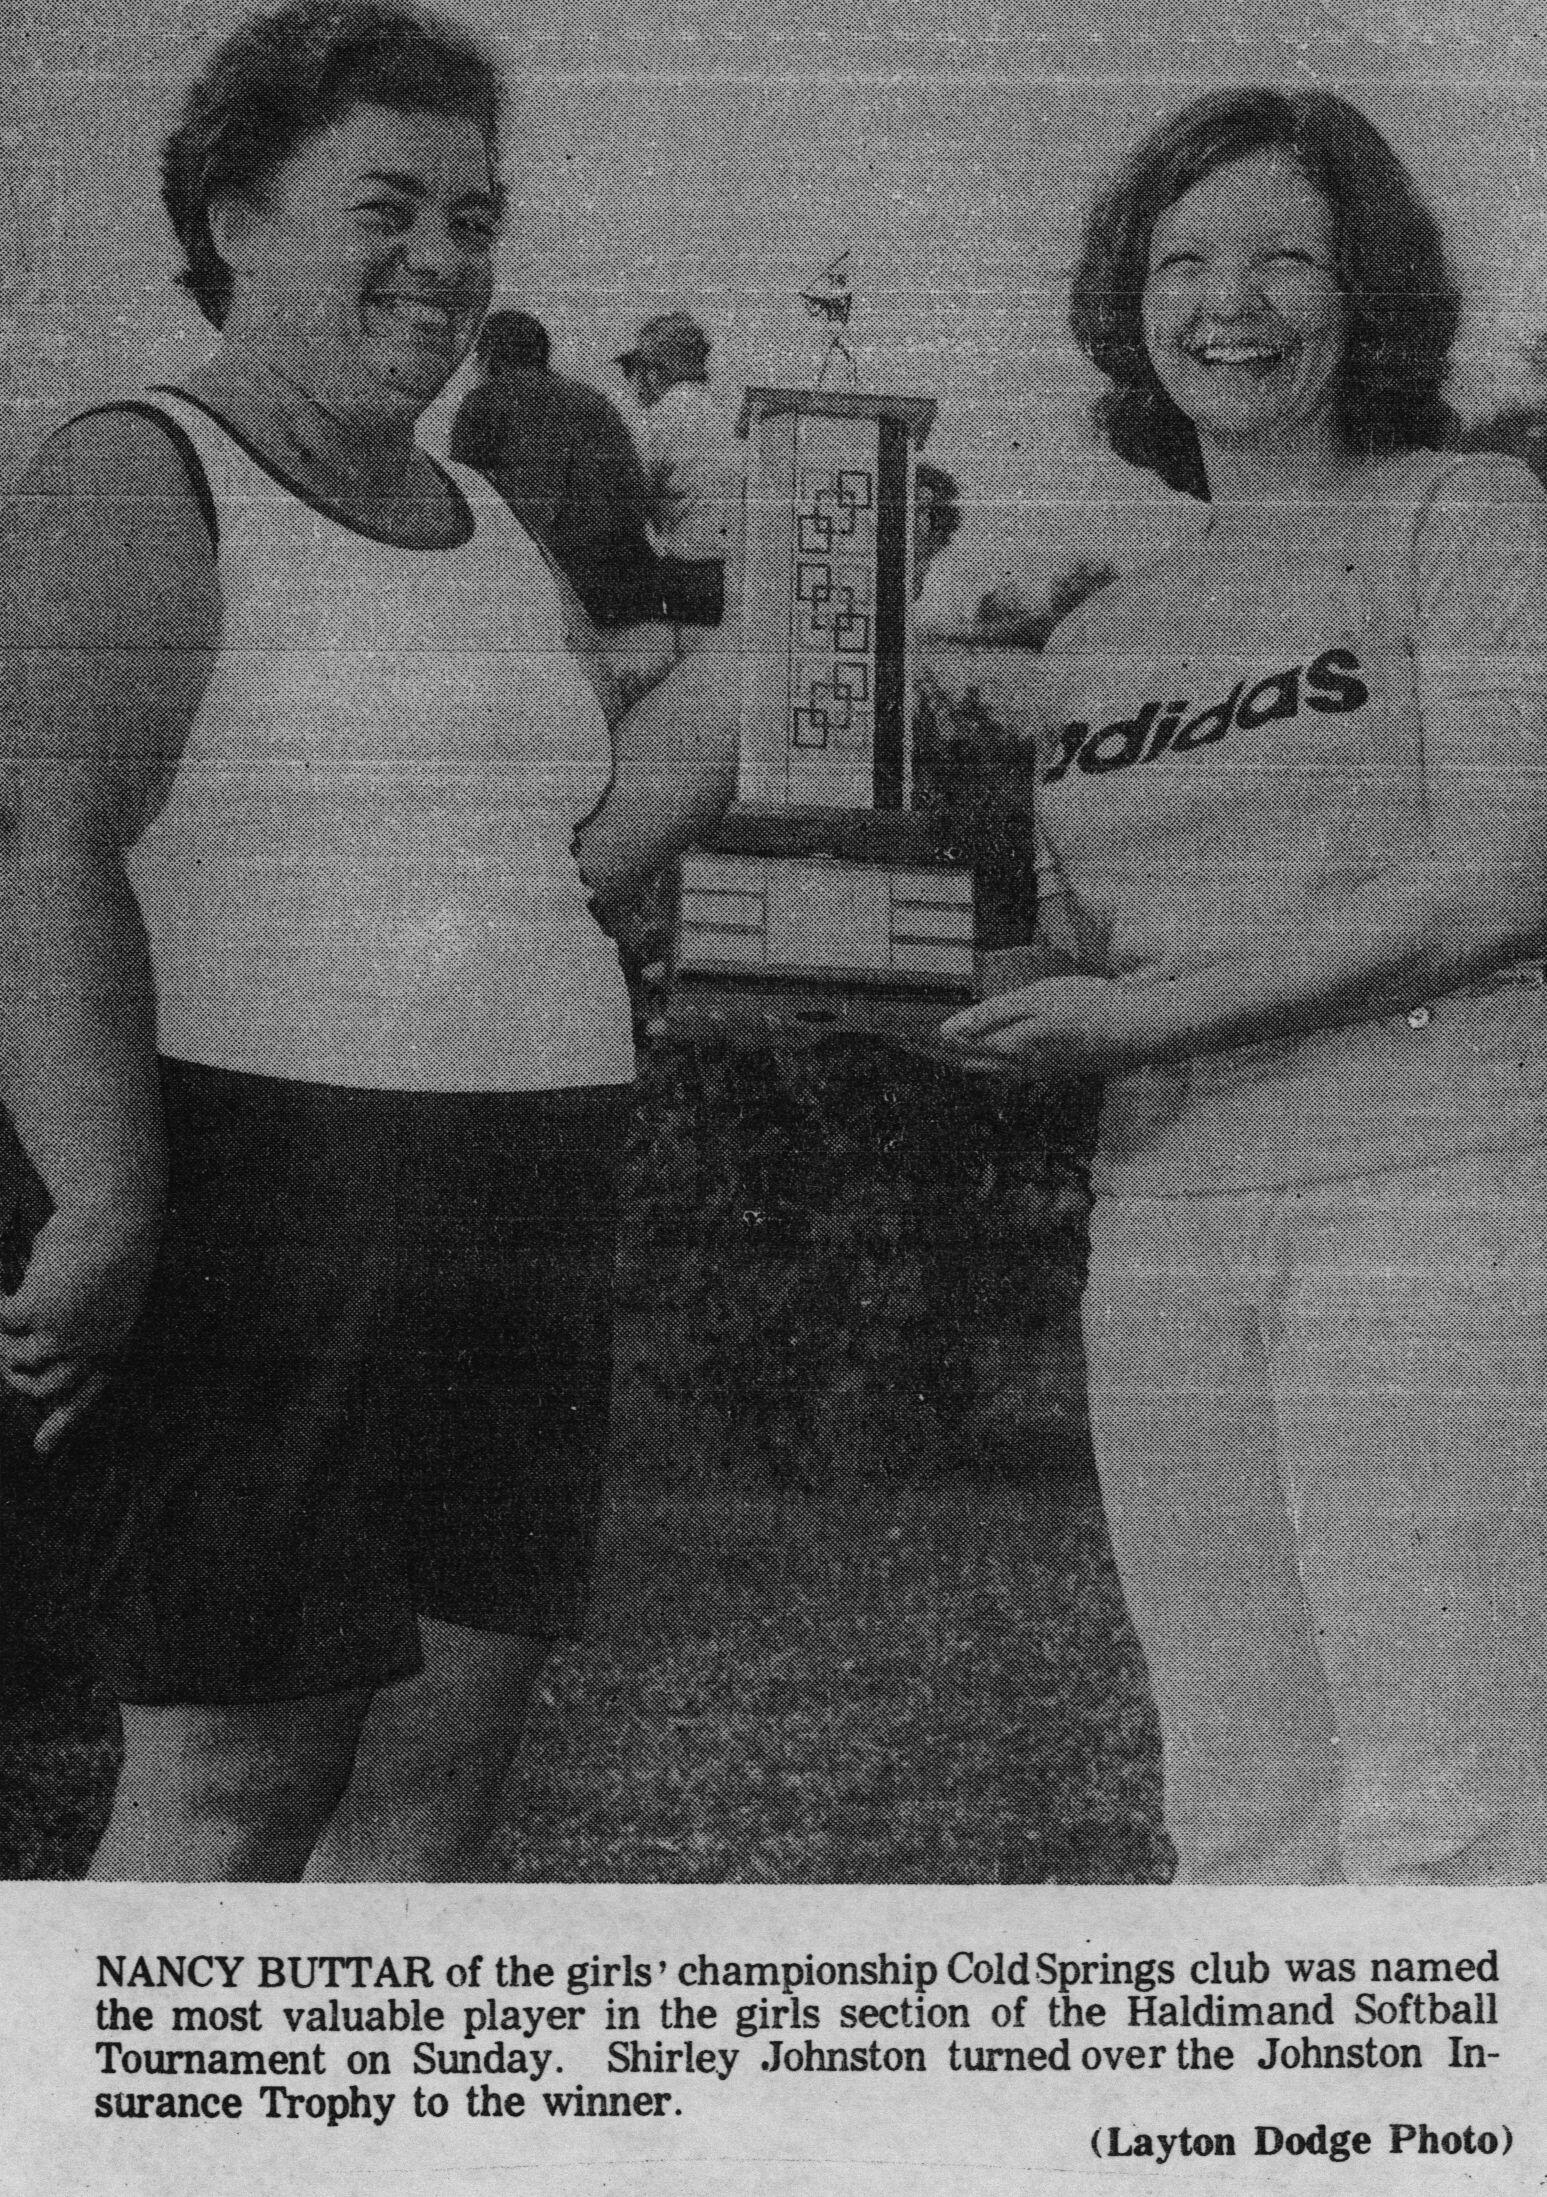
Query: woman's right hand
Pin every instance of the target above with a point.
(109, 626)
(64, 1327)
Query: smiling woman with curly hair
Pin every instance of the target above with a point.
(1293, 895)
(1400, 304)
(311, 1032)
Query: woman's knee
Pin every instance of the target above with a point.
(436, 1749)
(271, 1765)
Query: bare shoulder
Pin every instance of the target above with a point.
(108, 538)
(109, 623)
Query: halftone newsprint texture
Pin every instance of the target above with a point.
(861, 1839)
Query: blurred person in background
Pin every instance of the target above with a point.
(695, 462)
(562, 457)
(937, 518)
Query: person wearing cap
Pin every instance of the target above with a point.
(562, 457)
(695, 463)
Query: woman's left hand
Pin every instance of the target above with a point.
(1058, 1028)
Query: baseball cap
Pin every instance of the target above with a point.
(673, 340)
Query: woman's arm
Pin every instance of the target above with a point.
(107, 628)
(581, 637)
(674, 772)
(1474, 899)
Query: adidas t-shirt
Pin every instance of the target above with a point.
(1230, 731)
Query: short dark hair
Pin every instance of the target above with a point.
(1401, 302)
(283, 77)
(513, 343)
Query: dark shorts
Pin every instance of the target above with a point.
(371, 1384)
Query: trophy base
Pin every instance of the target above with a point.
(823, 921)
(780, 948)
(900, 839)
(794, 1018)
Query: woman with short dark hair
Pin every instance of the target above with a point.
(311, 1033)
(286, 77)
(1293, 794)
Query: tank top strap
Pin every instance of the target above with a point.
(234, 479)
(240, 477)
(492, 515)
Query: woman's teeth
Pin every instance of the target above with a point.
(1234, 354)
(435, 319)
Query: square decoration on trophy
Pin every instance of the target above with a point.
(822, 897)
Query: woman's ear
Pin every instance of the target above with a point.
(231, 224)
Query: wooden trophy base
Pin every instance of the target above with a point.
(804, 925)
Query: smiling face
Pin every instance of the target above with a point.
(1244, 313)
(362, 273)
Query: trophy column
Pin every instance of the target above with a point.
(818, 895)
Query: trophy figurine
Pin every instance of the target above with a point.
(821, 896)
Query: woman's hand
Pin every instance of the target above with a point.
(63, 1328)
(1057, 1029)
(109, 626)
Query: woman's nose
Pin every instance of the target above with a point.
(433, 247)
(1230, 284)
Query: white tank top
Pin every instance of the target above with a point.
(362, 873)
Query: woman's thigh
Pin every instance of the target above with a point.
(1411, 1384)
(1186, 1441)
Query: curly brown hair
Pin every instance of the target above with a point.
(1401, 301)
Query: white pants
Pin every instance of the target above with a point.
(1319, 1421)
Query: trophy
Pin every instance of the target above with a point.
(822, 896)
